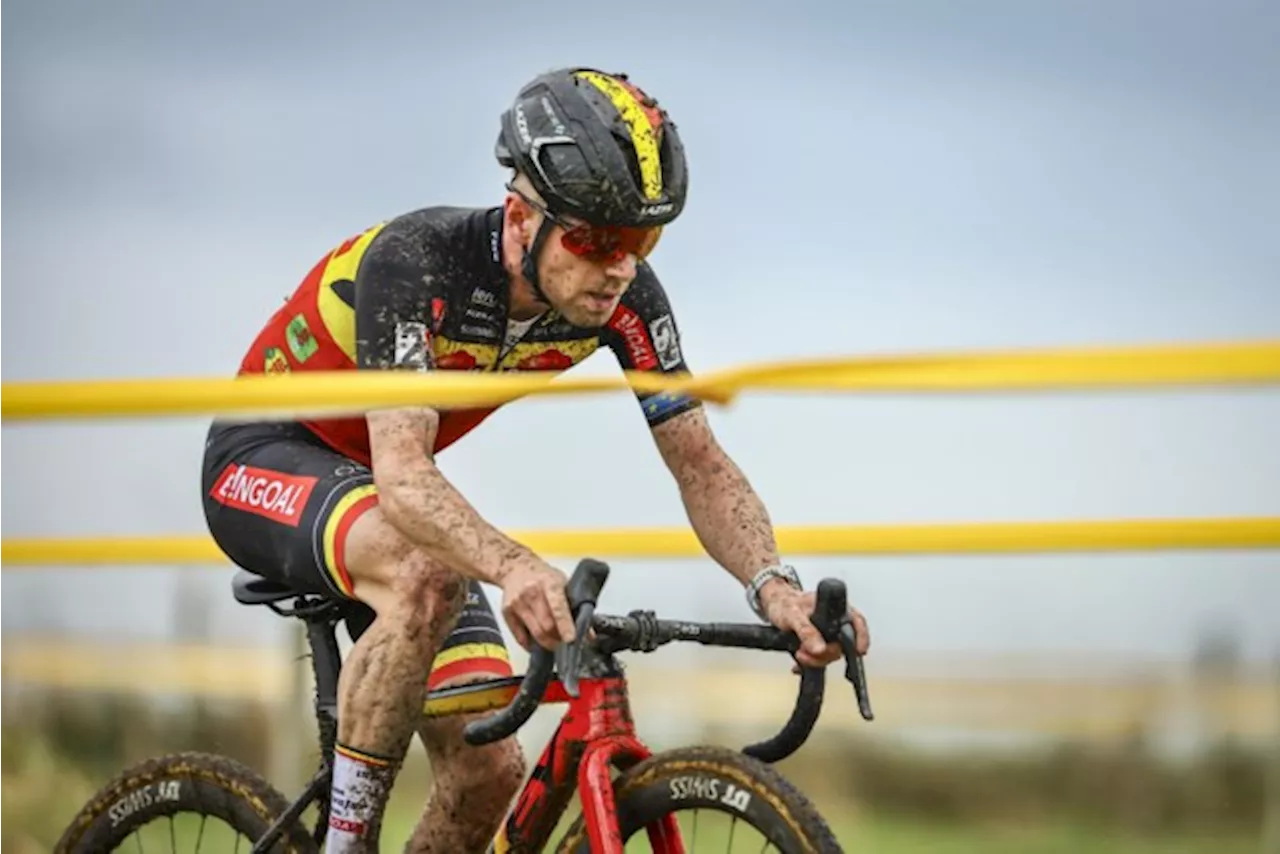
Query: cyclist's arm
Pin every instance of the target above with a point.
(393, 332)
(725, 512)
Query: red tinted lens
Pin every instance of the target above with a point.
(610, 243)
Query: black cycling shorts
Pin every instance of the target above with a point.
(279, 503)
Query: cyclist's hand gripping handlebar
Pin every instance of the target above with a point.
(582, 590)
(831, 617)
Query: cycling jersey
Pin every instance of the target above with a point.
(428, 291)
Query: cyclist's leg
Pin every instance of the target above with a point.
(472, 785)
(477, 783)
(281, 504)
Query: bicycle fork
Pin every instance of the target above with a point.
(596, 735)
(599, 806)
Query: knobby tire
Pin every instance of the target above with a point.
(182, 783)
(699, 778)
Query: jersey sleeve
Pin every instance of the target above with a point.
(644, 336)
(396, 311)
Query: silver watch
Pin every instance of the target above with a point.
(783, 571)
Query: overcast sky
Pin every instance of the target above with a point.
(865, 178)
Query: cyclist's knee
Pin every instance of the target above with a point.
(420, 582)
(397, 577)
(422, 592)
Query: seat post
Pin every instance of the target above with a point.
(326, 662)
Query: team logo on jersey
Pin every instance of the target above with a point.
(302, 344)
(629, 325)
(663, 331)
(412, 351)
(277, 496)
(274, 361)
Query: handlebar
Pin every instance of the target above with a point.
(642, 631)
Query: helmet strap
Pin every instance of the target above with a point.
(529, 264)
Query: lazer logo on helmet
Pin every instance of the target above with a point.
(275, 495)
(657, 210)
(522, 125)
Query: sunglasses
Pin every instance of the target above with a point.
(600, 243)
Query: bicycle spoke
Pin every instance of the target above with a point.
(721, 826)
(203, 820)
(226, 796)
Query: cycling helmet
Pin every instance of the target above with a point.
(595, 147)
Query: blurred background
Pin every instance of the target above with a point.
(865, 178)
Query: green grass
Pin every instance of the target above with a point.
(41, 793)
(870, 834)
(879, 834)
(901, 836)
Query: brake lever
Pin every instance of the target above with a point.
(831, 616)
(582, 592)
(853, 668)
(568, 655)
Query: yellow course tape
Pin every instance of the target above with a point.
(954, 538)
(338, 392)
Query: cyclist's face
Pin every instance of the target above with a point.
(586, 292)
(584, 289)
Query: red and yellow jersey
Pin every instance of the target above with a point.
(427, 291)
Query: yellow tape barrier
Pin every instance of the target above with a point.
(955, 538)
(320, 393)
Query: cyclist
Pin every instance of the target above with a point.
(356, 507)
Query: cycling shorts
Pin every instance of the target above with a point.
(279, 503)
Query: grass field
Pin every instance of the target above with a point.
(868, 835)
(878, 834)
(886, 835)
(41, 793)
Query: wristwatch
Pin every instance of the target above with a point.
(783, 571)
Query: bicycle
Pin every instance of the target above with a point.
(595, 736)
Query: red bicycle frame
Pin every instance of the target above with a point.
(595, 735)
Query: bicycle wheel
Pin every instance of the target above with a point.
(740, 797)
(166, 804)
